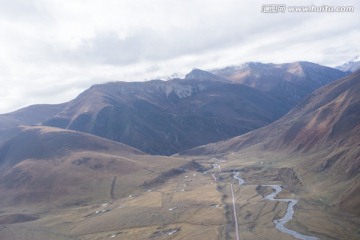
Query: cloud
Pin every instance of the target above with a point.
(52, 50)
(23, 10)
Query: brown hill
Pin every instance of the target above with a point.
(49, 166)
(324, 130)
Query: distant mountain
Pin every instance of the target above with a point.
(166, 117)
(290, 81)
(324, 129)
(201, 75)
(351, 66)
(32, 115)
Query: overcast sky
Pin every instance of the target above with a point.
(51, 50)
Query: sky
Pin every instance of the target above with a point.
(52, 50)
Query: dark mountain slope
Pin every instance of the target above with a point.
(161, 117)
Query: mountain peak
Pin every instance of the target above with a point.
(198, 74)
(351, 66)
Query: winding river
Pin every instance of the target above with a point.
(280, 223)
(237, 177)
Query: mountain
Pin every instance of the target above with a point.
(44, 165)
(290, 81)
(166, 117)
(323, 131)
(200, 75)
(351, 66)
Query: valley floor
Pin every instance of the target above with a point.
(191, 205)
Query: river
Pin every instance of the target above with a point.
(280, 223)
(237, 177)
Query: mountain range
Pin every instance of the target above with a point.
(166, 117)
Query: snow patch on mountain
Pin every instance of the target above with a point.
(350, 66)
(182, 90)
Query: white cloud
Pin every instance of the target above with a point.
(52, 50)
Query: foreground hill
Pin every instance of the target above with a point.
(64, 185)
(44, 165)
(322, 133)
